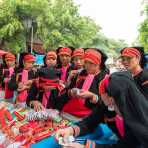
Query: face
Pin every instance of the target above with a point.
(78, 62)
(65, 59)
(28, 65)
(130, 63)
(91, 68)
(10, 63)
(51, 62)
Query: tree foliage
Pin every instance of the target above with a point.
(143, 30)
(55, 22)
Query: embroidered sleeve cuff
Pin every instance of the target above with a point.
(94, 99)
(76, 130)
(90, 144)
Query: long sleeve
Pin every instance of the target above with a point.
(52, 98)
(60, 101)
(32, 94)
(63, 98)
(12, 84)
(129, 141)
(96, 117)
(145, 83)
(142, 82)
(94, 89)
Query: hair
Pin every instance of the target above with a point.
(4, 62)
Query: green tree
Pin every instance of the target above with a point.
(55, 23)
(13, 13)
(69, 28)
(143, 30)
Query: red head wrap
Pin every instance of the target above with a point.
(65, 51)
(92, 56)
(131, 52)
(29, 58)
(51, 54)
(78, 52)
(10, 56)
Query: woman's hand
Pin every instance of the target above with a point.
(73, 93)
(86, 94)
(21, 87)
(72, 74)
(6, 80)
(64, 133)
(29, 82)
(37, 105)
(74, 145)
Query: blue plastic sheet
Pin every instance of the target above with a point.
(101, 135)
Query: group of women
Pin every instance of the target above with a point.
(76, 81)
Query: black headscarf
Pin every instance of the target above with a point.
(131, 103)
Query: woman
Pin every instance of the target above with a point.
(7, 71)
(133, 60)
(64, 62)
(119, 91)
(23, 79)
(78, 58)
(78, 64)
(87, 81)
(43, 95)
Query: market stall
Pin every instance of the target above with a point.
(22, 127)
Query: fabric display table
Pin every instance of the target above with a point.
(22, 127)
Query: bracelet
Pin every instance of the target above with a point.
(73, 130)
(90, 144)
(76, 130)
(95, 99)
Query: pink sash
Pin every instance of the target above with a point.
(45, 99)
(11, 71)
(76, 106)
(87, 83)
(120, 125)
(64, 73)
(22, 96)
(9, 93)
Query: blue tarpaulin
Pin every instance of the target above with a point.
(39, 59)
(101, 135)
